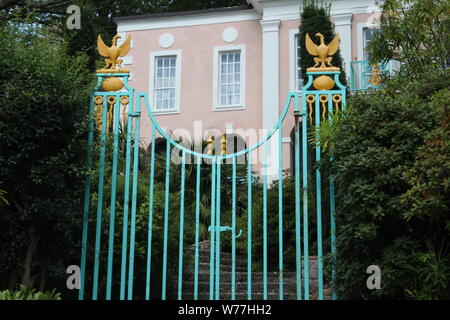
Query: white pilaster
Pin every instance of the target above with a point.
(271, 79)
(343, 24)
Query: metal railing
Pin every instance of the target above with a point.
(364, 76)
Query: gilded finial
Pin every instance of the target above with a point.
(112, 54)
(224, 145)
(323, 53)
(375, 79)
(210, 145)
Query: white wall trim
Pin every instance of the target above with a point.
(290, 9)
(186, 21)
(292, 59)
(270, 25)
(267, 10)
(271, 90)
(343, 26)
(164, 53)
(342, 19)
(216, 63)
(360, 39)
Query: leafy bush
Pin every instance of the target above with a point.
(45, 102)
(25, 293)
(391, 164)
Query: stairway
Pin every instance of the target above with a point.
(241, 290)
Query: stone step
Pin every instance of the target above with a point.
(272, 286)
(204, 267)
(189, 295)
(242, 276)
(225, 258)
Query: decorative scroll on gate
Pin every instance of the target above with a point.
(108, 264)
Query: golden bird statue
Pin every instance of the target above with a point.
(112, 54)
(323, 52)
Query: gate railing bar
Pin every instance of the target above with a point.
(150, 215)
(317, 94)
(233, 232)
(305, 201)
(332, 218)
(197, 226)
(280, 209)
(181, 249)
(166, 221)
(123, 279)
(100, 202)
(217, 284)
(213, 225)
(265, 222)
(134, 198)
(298, 249)
(318, 106)
(249, 227)
(87, 194)
(112, 212)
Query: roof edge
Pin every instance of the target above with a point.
(181, 13)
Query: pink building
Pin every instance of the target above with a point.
(230, 69)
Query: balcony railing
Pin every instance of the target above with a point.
(364, 76)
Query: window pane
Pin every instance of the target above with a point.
(229, 78)
(298, 74)
(165, 82)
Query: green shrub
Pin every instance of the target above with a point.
(24, 293)
(45, 102)
(391, 164)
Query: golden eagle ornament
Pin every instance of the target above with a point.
(112, 54)
(323, 53)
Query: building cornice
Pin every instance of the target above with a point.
(266, 10)
(124, 25)
(270, 25)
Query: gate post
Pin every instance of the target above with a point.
(111, 94)
(322, 95)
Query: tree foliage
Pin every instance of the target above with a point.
(97, 17)
(415, 33)
(45, 98)
(391, 167)
(316, 18)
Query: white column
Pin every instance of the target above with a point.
(271, 78)
(343, 24)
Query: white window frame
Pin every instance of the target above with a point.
(153, 56)
(293, 59)
(216, 64)
(360, 37)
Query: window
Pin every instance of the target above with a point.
(165, 81)
(295, 69)
(229, 75)
(298, 67)
(230, 78)
(367, 36)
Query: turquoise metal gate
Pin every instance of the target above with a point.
(108, 259)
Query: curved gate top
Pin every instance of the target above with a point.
(154, 228)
